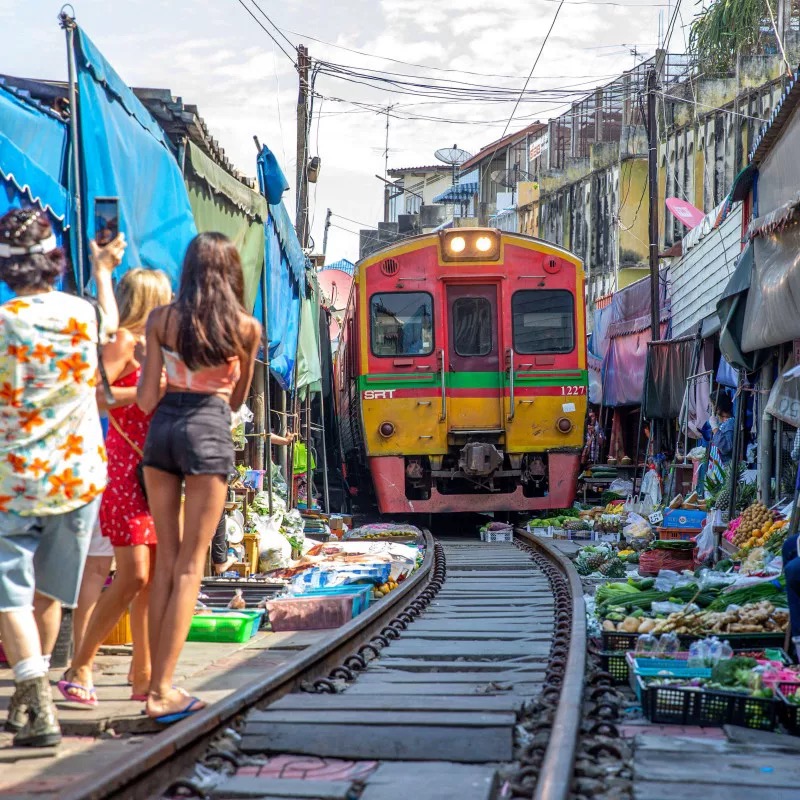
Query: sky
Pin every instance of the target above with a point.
(215, 55)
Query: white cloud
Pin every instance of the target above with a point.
(213, 55)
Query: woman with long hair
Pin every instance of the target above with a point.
(125, 518)
(207, 343)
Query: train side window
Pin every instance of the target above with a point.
(544, 321)
(401, 323)
(472, 326)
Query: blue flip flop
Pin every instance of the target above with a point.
(168, 719)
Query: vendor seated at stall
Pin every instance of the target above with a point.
(722, 427)
(221, 558)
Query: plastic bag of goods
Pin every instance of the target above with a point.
(238, 421)
(637, 528)
(274, 550)
(705, 542)
(384, 530)
(651, 488)
(622, 487)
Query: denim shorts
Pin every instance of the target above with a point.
(44, 554)
(190, 434)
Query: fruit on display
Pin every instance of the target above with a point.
(385, 588)
(590, 559)
(613, 568)
(756, 521)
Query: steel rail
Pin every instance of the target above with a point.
(167, 755)
(556, 773)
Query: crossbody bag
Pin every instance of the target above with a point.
(136, 449)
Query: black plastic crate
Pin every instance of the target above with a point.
(789, 714)
(619, 641)
(615, 665)
(677, 705)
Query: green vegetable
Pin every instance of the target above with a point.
(609, 590)
(642, 584)
(672, 544)
(724, 565)
(734, 671)
(752, 594)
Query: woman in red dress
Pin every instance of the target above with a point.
(124, 515)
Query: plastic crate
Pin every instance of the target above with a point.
(678, 705)
(309, 613)
(789, 713)
(497, 536)
(679, 534)
(543, 533)
(224, 626)
(643, 667)
(615, 665)
(597, 536)
(362, 595)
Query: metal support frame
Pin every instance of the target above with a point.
(79, 255)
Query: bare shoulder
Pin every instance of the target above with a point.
(157, 320)
(251, 328)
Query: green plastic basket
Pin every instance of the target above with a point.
(230, 626)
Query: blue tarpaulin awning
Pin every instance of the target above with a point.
(34, 147)
(125, 154)
(285, 275)
(34, 153)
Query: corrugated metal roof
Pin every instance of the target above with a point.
(343, 265)
(499, 144)
(777, 120)
(398, 172)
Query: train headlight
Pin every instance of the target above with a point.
(564, 425)
(470, 244)
(386, 429)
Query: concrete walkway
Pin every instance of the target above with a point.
(97, 736)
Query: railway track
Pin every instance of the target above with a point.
(466, 681)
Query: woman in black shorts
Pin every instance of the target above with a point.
(207, 344)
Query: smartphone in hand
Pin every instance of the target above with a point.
(106, 219)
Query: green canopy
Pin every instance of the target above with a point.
(309, 372)
(223, 204)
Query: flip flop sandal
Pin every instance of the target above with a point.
(64, 687)
(139, 698)
(168, 719)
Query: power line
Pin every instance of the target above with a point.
(260, 25)
(267, 18)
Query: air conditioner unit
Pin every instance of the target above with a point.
(407, 224)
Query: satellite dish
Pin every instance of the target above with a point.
(509, 177)
(454, 156)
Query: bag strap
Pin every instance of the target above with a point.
(116, 426)
(107, 393)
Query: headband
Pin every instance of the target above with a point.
(44, 246)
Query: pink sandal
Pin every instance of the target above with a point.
(67, 687)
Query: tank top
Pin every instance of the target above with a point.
(219, 379)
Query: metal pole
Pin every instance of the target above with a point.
(652, 182)
(325, 492)
(267, 399)
(739, 416)
(765, 452)
(309, 468)
(70, 26)
(325, 234)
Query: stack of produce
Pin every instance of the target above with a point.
(762, 617)
(567, 518)
(599, 559)
(717, 489)
(756, 523)
(671, 554)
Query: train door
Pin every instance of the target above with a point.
(474, 380)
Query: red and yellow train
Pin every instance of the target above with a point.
(462, 376)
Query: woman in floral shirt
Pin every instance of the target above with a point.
(52, 459)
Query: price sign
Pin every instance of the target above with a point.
(656, 517)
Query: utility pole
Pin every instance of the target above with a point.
(652, 183)
(301, 216)
(386, 189)
(325, 234)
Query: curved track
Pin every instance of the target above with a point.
(444, 672)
